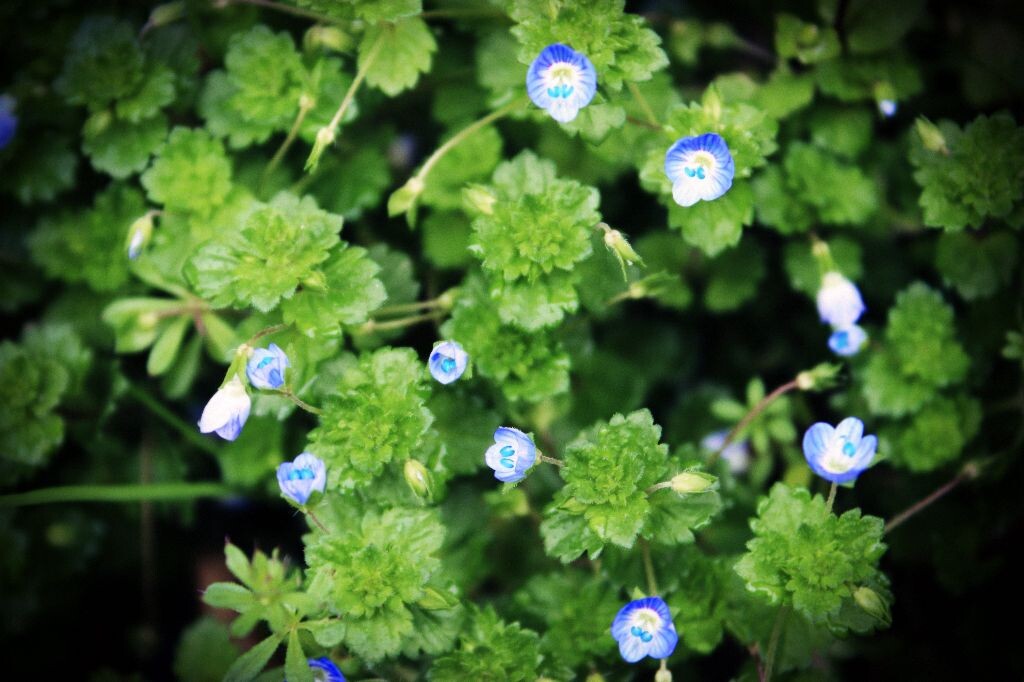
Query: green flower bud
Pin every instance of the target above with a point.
(316, 281)
(139, 233)
(436, 600)
(324, 139)
(403, 199)
(931, 137)
(818, 378)
(327, 38)
(873, 604)
(693, 482)
(419, 479)
(165, 14)
(479, 199)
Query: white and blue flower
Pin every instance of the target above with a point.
(644, 627)
(561, 81)
(839, 454)
(266, 367)
(302, 477)
(227, 410)
(700, 168)
(8, 120)
(447, 361)
(511, 455)
(839, 301)
(847, 341)
(324, 670)
(736, 454)
(887, 107)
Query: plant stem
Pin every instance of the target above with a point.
(773, 643)
(350, 94)
(460, 12)
(281, 7)
(652, 582)
(132, 492)
(374, 326)
(187, 430)
(831, 497)
(658, 486)
(288, 393)
(967, 473)
(460, 136)
(402, 308)
(265, 332)
(760, 407)
(644, 105)
(305, 105)
(312, 516)
(550, 460)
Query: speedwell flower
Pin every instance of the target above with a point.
(324, 670)
(562, 81)
(644, 627)
(839, 301)
(8, 120)
(227, 410)
(699, 167)
(839, 454)
(299, 478)
(736, 454)
(447, 361)
(266, 367)
(511, 455)
(847, 340)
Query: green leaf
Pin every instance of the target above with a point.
(977, 266)
(807, 42)
(165, 350)
(279, 247)
(228, 596)
(249, 664)
(41, 175)
(121, 148)
(295, 665)
(404, 51)
(735, 277)
(804, 271)
(491, 650)
(191, 173)
(934, 436)
(103, 63)
(921, 335)
(473, 159)
(713, 226)
(204, 653)
(805, 556)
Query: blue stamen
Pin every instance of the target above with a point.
(646, 637)
(689, 172)
(265, 361)
(447, 364)
(300, 475)
(508, 451)
(507, 462)
(849, 450)
(636, 631)
(700, 172)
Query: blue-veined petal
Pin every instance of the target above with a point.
(561, 81)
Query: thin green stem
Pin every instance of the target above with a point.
(283, 8)
(288, 393)
(133, 492)
(550, 460)
(459, 137)
(314, 519)
(372, 326)
(644, 105)
(831, 496)
(402, 308)
(265, 332)
(652, 582)
(967, 473)
(305, 106)
(457, 12)
(350, 94)
(189, 431)
(760, 407)
(658, 486)
(773, 643)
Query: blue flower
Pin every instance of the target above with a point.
(699, 167)
(887, 108)
(839, 301)
(266, 367)
(644, 628)
(561, 80)
(299, 478)
(447, 361)
(227, 410)
(511, 455)
(8, 120)
(847, 341)
(839, 454)
(325, 671)
(736, 454)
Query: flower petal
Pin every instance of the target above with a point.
(850, 429)
(816, 441)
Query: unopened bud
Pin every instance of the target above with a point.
(403, 199)
(324, 139)
(327, 38)
(478, 198)
(712, 103)
(620, 246)
(436, 600)
(419, 479)
(873, 604)
(165, 14)
(693, 482)
(931, 137)
(139, 233)
(818, 378)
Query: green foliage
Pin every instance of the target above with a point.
(395, 54)
(280, 246)
(376, 413)
(491, 650)
(805, 556)
(935, 435)
(190, 174)
(370, 572)
(204, 653)
(104, 63)
(977, 266)
(977, 174)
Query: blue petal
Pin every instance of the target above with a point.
(663, 643)
(327, 666)
(865, 452)
(850, 429)
(816, 440)
(567, 101)
(633, 649)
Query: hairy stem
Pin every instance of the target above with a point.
(550, 460)
(356, 82)
(831, 496)
(133, 492)
(773, 643)
(402, 308)
(644, 105)
(967, 473)
(288, 393)
(757, 409)
(314, 519)
(374, 326)
(652, 581)
(265, 332)
(305, 106)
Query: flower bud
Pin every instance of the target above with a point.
(139, 233)
(419, 479)
(819, 377)
(663, 675)
(324, 139)
(693, 482)
(327, 38)
(479, 199)
(618, 244)
(436, 600)
(403, 199)
(931, 137)
(712, 103)
(873, 604)
(165, 14)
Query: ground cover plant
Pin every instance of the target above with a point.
(511, 340)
